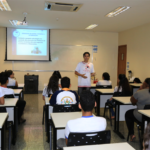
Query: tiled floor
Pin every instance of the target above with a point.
(31, 135)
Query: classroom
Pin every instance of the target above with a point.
(65, 65)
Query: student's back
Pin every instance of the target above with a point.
(106, 79)
(65, 96)
(88, 122)
(11, 79)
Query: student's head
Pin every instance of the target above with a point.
(106, 76)
(3, 78)
(65, 82)
(123, 82)
(53, 84)
(137, 80)
(10, 73)
(86, 56)
(146, 83)
(87, 101)
(57, 73)
(146, 138)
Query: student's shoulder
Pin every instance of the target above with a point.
(74, 121)
(11, 91)
(99, 119)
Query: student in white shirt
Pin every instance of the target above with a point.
(2, 101)
(11, 79)
(123, 89)
(106, 79)
(64, 96)
(6, 91)
(84, 71)
(52, 86)
(88, 122)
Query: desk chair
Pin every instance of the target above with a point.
(9, 126)
(65, 108)
(12, 87)
(140, 127)
(101, 87)
(111, 104)
(89, 138)
(44, 108)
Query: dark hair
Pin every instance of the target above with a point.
(106, 76)
(137, 80)
(147, 80)
(57, 73)
(3, 78)
(65, 82)
(87, 100)
(146, 137)
(86, 53)
(9, 72)
(53, 84)
(124, 84)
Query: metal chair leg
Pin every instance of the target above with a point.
(43, 115)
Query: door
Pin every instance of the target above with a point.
(122, 56)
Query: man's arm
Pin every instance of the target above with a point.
(82, 75)
(133, 100)
(66, 141)
(16, 84)
(2, 101)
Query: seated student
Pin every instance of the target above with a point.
(57, 73)
(137, 80)
(123, 89)
(2, 101)
(140, 98)
(11, 79)
(88, 122)
(64, 96)
(146, 138)
(20, 104)
(106, 79)
(52, 86)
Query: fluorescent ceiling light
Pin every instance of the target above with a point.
(92, 26)
(18, 23)
(117, 11)
(4, 5)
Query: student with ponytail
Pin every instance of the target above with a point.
(140, 98)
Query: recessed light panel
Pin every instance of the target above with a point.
(117, 11)
(4, 5)
(92, 26)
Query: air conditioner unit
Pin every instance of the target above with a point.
(53, 6)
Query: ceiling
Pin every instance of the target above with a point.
(92, 12)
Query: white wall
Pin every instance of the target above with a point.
(104, 60)
(138, 49)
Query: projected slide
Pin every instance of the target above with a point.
(29, 42)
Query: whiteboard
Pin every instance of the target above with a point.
(64, 58)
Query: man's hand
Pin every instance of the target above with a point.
(83, 76)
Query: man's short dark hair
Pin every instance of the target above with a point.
(106, 76)
(3, 78)
(86, 53)
(9, 72)
(65, 82)
(87, 100)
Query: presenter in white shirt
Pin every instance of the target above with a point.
(84, 71)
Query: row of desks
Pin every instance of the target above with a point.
(11, 115)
